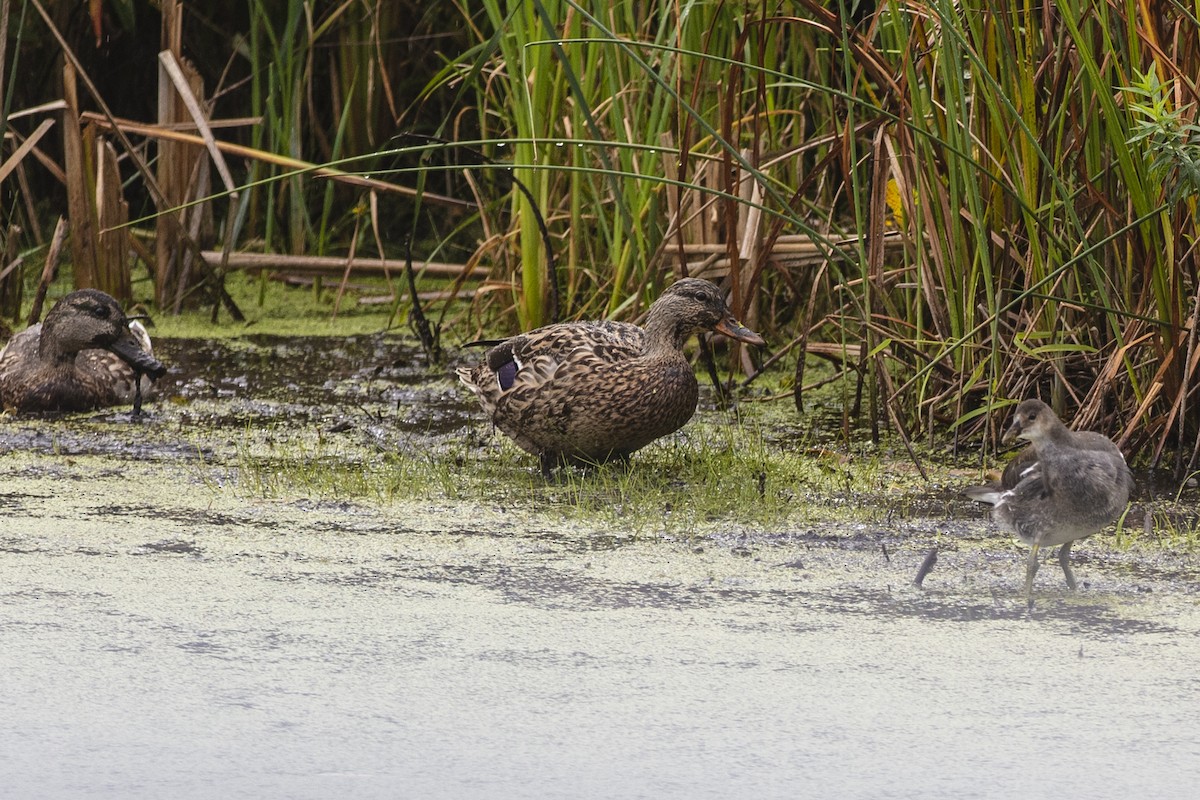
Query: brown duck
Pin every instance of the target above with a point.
(85, 355)
(585, 393)
(1065, 486)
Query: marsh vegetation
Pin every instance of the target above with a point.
(957, 206)
(312, 568)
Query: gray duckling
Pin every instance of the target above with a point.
(1064, 487)
(85, 355)
(585, 393)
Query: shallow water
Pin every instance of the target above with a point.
(161, 636)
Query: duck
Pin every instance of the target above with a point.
(1064, 487)
(586, 393)
(86, 354)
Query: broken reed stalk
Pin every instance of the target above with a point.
(49, 270)
(337, 265)
(430, 338)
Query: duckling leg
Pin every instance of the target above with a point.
(1031, 568)
(1064, 558)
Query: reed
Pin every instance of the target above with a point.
(1039, 184)
(961, 203)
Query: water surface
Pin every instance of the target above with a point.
(162, 635)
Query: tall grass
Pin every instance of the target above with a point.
(1001, 198)
(1044, 251)
(1061, 267)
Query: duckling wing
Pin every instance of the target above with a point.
(1024, 465)
(1072, 493)
(1026, 509)
(1092, 485)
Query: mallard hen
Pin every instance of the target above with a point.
(86, 354)
(585, 393)
(1064, 487)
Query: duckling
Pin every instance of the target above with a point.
(1065, 486)
(585, 393)
(85, 355)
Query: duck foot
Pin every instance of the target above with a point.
(137, 394)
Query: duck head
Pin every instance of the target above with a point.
(1033, 421)
(691, 306)
(89, 318)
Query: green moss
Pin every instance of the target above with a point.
(272, 307)
(275, 308)
(710, 474)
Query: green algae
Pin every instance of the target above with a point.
(364, 419)
(168, 634)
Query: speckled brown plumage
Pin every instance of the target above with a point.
(86, 354)
(590, 392)
(1065, 486)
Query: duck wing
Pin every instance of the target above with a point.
(21, 346)
(592, 407)
(607, 340)
(540, 353)
(18, 358)
(129, 361)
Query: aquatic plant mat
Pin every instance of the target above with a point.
(311, 570)
(363, 421)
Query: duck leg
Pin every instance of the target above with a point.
(1064, 558)
(137, 393)
(1031, 568)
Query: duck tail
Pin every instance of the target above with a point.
(466, 378)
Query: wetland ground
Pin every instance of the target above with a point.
(311, 571)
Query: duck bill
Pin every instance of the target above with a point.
(128, 350)
(736, 330)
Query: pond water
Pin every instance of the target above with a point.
(162, 636)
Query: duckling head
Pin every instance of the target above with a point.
(690, 306)
(89, 318)
(1033, 422)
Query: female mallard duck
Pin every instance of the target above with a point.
(1064, 487)
(589, 392)
(86, 354)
